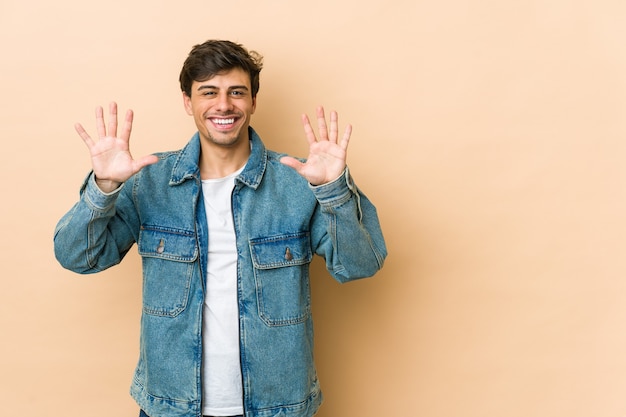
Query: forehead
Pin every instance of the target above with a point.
(235, 77)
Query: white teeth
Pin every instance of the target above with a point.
(224, 121)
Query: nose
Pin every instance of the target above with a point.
(223, 102)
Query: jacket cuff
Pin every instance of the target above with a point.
(95, 197)
(337, 192)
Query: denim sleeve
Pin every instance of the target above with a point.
(352, 242)
(93, 236)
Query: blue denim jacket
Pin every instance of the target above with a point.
(280, 222)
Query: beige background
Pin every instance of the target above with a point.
(490, 133)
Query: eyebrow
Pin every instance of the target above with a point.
(213, 87)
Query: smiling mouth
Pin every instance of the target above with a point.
(223, 122)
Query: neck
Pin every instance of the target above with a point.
(219, 162)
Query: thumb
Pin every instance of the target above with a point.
(144, 161)
(292, 162)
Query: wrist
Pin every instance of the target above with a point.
(107, 186)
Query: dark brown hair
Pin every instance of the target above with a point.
(217, 56)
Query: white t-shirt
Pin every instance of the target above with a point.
(222, 382)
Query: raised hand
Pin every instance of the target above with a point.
(327, 155)
(111, 160)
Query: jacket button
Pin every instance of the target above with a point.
(288, 255)
(161, 246)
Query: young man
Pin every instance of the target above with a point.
(226, 230)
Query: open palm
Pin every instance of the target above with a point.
(327, 154)
(111, 159)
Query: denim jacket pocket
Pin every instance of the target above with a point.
(168, 257)
(281, 272)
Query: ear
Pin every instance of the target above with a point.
(187, 104)
(253, 104)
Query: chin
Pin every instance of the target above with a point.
(221, 140)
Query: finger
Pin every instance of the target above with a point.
(145, 161)
(321, 124)
(100, 127)
(128, 126)
(346, 137)
(334, 127)
(113, 119)
(84, 135)
(308, 130)
(291, 162)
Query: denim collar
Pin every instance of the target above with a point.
(186, 165)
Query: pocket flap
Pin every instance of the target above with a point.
(282, 250)
(166, 243)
